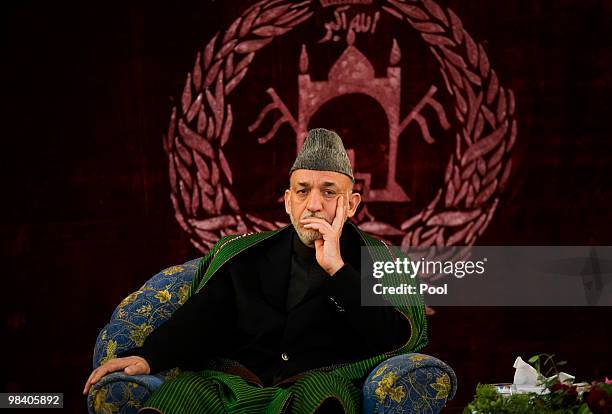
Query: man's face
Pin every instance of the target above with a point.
(315, 194)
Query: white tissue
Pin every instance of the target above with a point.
(564, 378)
(525, 374)
(526, 378)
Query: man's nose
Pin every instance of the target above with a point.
(315, 202)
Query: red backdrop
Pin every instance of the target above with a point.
(87, 218)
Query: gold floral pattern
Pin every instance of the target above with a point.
(100, 404)
(111, 348)
(442, 386)
(389, 379)
(418, 358)
(163, 296)
(140, 333)
(163, 313)
(130, 298)
(386, 388)
(134, 319)
(414, 383)
(173, 270)
(420, 405)
(128, 395)
(134, 403)
(144, 309)
(182, 294)
(172, 374)
(380, 370)
(397, 393)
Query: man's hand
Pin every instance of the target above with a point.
(328, 248)
(132, 365)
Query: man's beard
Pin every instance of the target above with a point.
(307, 236)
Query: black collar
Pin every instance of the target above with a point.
(274, 261)
(299, 248)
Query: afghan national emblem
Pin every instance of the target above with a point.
(464, 110)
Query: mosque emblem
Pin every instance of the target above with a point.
(481, 118)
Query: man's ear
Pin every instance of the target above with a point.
(354, 200)
(287, 196)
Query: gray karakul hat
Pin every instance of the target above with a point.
(323, 151)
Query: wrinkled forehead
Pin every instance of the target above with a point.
(319, 179)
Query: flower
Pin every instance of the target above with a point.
(100, 404)
(140, 333)
(567, 389)
(386, 388)
(563, 395)
(183, 293)
(130, 298)
(163, 296)
(111, 348)
(172, 374)
(173, 270)
(397, 393)
(562, 398)
(598, 400)
(388, 379)
(144, 309)
(380, 370)
(442, 386)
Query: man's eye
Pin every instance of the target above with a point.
(302, 191)
(330, 193)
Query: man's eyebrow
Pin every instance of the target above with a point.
(329, 184)
(303, 184)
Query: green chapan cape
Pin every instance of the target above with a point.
(213, 392)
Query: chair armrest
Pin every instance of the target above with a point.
(409, 383)
(136, 316)
(144, 310)
(121, 393)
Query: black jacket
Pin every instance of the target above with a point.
(241, 315)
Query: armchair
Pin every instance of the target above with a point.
(405, 383)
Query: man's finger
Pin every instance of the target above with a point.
(98, 375)
(110, 366)
(314, 220)
(318, 226)
(318, 244)
(314, 226)
(86, 388)
(105, 370)
(91, 380)
(134, 368)
(93, 375)
(318, 222)
(339, 217)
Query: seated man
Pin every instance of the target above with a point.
(283, 306)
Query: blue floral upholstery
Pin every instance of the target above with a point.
(121, 393)
(135, 317)
(405, 383)
(409, 383)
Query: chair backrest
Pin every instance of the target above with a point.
(144, 310)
